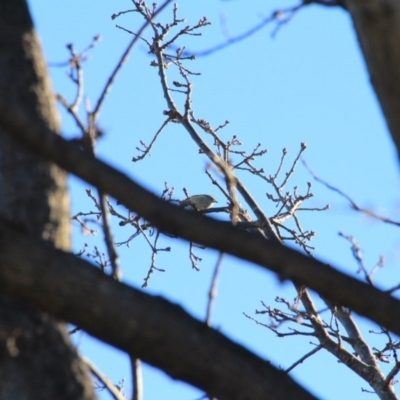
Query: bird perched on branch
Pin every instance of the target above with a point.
(198, 202)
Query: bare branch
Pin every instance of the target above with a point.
(302, 359)
(122, 60)
(353, 204)
(151, 328)
(112, 389)
(212, 294)
(288, 263)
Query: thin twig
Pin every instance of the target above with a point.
(302, 359)
(353, 204)
(113, 390)
(122, 60)
(150, 146)
(108, 237)
(213, 288)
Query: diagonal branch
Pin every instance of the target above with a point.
(146, 327)
(287, 263)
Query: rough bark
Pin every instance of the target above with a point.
(287, 263)
(377, 24)
(37, 360)
(33, 196)
(147, 327)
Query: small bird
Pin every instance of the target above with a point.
(198, 202)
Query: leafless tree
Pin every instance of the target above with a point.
(42, 283)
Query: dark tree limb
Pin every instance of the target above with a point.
(146, 327)
(287, 263)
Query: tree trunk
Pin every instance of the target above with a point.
(37, 360)
(377, 24)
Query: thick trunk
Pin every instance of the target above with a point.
(377, 23)
(37, 360)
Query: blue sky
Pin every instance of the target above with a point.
(307, 84)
